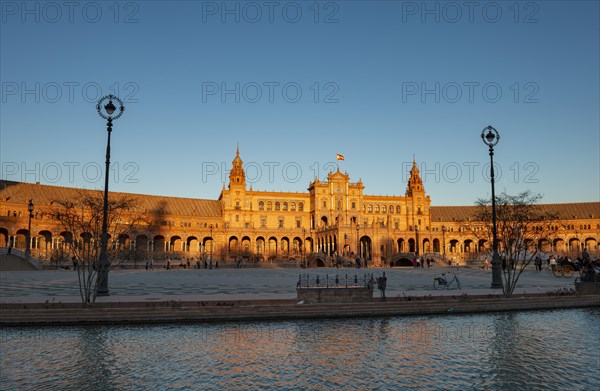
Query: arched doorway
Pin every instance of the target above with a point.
(400, 245)
(324, 221)
(192, 244)
(3, 237)
(365, 248)
(285, 246)
(411, 246)
(436, 246)
(468, 246)
(272, 248)
(246, 245)
(233, 246)
(297, 246)
(21, 239)
(260, 248)
(401, 260)
(426, 246)
(158, 245)
(45, 243)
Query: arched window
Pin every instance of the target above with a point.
(261, 205)
(398, 209)
(384, 209)
(391, 209)
(301, 206)
(277, 206)
(370, 209)
(269, 205)
(285, 206)
(376, 208)
(293, 206)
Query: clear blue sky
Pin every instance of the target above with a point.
(294, 83)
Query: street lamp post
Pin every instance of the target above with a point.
(303, 247)
(28, 238)
(211, 246)
(109, 115)
(490, 137)
(357, 240)
(417, 244)
(444, 239)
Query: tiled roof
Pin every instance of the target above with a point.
(452, 213)
(20, 192)
(579, 210)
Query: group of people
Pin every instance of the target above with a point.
(185, 264)
(552, 261)
(419, 262)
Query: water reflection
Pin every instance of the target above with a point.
(527, 350)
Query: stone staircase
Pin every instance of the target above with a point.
(11, 262)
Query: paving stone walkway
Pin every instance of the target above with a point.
(249, 284)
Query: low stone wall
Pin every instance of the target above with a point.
(219, 311)
(587, 288)
(352, 294)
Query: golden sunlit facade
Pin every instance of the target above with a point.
(335, 218)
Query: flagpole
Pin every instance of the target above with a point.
(338, 157)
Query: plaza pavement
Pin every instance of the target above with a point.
(250, 284)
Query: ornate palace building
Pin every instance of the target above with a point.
(334, 216)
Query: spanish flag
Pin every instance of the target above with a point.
(339, 157)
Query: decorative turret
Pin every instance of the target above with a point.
(237, 176)
(415, 184)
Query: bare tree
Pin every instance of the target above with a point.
(81, 217)
(522, 227)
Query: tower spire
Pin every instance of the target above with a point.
(415, 184)
(237, 176)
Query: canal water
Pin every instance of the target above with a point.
(519, 350)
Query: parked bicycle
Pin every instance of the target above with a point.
(442, 282)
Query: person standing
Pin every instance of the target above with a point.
(538, 263)
(381, 284)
